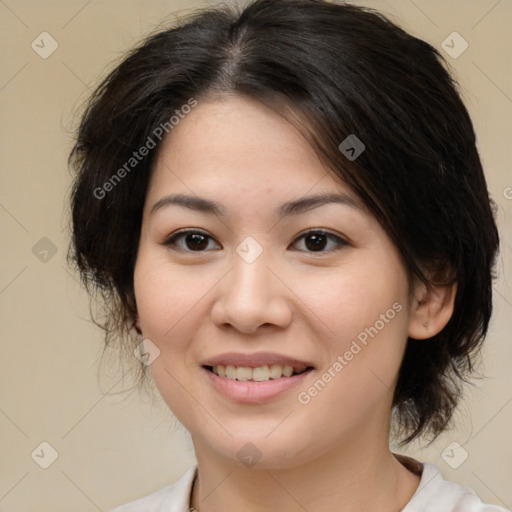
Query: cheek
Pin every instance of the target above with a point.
(364, 319)
(165, 297)
(350, 299)
(169, 306)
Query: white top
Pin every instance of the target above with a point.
(434, 494)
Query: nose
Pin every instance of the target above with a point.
(252, 296)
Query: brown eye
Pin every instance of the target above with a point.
(319, 241)
(315, 242)
(192, 241)
(312, 241)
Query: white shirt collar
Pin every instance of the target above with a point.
(434, 494)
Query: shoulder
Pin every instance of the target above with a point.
(435, 493)
(173, 498)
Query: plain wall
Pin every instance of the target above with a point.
(115, 448)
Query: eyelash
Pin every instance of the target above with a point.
(180, 235)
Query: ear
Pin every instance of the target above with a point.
(432, 308)
(137, 324)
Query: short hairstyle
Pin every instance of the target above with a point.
(333, 70)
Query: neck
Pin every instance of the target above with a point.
(346, 479)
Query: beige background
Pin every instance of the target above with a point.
(114, 448)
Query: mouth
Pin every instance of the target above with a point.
(256, 374)
(255, 378)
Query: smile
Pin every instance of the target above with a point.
(257, 374)
(252, 391)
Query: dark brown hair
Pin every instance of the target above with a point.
(333, 70)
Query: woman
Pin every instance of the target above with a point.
(287, 205)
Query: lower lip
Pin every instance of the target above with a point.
(252, 392)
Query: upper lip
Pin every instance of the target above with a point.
(255, 360)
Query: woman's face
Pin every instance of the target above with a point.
(254, 256)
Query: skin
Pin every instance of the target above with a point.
(306, 304)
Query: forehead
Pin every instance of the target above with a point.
(238, 144)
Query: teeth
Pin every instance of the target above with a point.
(261, 373)
(276, 371)
(258, 374)
(231, 372)
(243, 373)
(287, 371)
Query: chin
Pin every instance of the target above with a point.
(261, 452)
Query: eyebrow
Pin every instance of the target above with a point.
(293, 207)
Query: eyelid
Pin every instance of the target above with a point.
(340, 240)
(171, 239)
